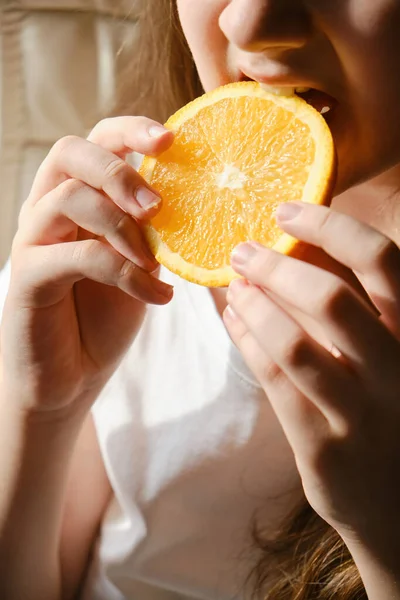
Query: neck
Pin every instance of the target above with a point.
(376, 202)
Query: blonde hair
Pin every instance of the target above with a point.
(162, 76)
(306, 560)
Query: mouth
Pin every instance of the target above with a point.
(320, 100)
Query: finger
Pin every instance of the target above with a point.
(76, 158)
(124, 135)
(374, 258)
(311, 368)
(73, 204)
(46, 273)
(348, 321)
(296, 413)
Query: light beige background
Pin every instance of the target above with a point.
(60, 62)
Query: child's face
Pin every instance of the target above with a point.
(349, 49)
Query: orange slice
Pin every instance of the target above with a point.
(238, 152)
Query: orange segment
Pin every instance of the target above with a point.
(238, 152)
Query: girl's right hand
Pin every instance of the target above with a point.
(81, 272)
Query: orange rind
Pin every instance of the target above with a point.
(239, 151)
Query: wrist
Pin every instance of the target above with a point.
(34, 442)
(380, 543)
(25, 408)
(378, 563)
(36, 449)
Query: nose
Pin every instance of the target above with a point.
(258, 25)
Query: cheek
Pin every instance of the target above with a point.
(376, 89)
(364, 35)
(200, 24)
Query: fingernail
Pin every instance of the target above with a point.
(146, 198)
(243, 254)
(157, 131)
(288, 211)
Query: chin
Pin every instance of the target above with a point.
(352, 174)
(352, 167)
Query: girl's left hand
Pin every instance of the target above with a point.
(340, 409)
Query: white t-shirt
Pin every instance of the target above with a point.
(193, 452)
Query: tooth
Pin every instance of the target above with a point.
(279, 91)
(325, 110)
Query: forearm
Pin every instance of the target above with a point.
(35, 455)
(379, 569)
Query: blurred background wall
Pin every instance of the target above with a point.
(60, 65)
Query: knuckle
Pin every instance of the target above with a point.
(337, 299)
(243, 299)
(141, 122)
(297, 351)
(264, 368)
(386, 256)
(102, 124)
(100, 209)
(69, 188)
(127, 271)
(267, 264)
(23, 213)
(326, 221)
(348, 425)
(113, 223)
(63, 145)
(18, 241)
(116, 168)
(116, 124)
(86, 251)
(121, 223)
(271, 373)
(245, 342)
(99, 205)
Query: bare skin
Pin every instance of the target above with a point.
(79, 252)
(336, 408)
(82, 274)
